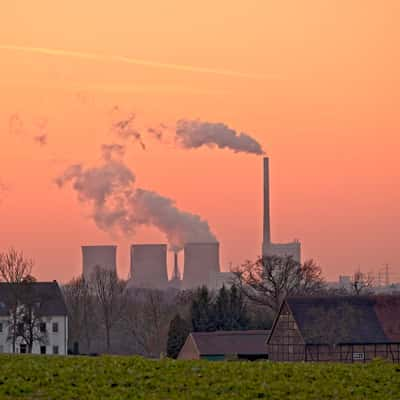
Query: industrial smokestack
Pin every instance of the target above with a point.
(176, 274)
(291, 249)
(267, 223)
(149, 265)
(98, 256)
(201, 264)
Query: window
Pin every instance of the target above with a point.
(55, 327)
(1, 349)
(22, 348)
(55, 349)
(42, 349)
(358, 356)
(43, 327)
(1, 328)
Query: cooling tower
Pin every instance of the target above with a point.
(201, 263)
(149, 265)
(102, 256)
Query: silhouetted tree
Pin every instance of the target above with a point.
(230, 310)
(81, 310)
(222, 309)
(15, 269)
(238, 317)
(177, 334)
(147, 318)
(30, 325)
(270, 279)
(110, 294)
(202, 311)
(362, 283)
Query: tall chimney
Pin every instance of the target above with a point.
(176, 274)
(267, 227)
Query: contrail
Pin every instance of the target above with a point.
(128, 60)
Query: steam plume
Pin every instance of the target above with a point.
(119, 208)
(179, 226)
(194, 134)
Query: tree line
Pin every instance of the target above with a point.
(107, 315)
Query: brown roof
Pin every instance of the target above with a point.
(232, 342)
(347, 319)
(47, 295)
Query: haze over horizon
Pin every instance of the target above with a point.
(315, 85)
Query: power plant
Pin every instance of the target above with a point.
(148, 265)
(104, 257)
(292, 249)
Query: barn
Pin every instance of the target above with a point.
(223, 345)
(336, 328)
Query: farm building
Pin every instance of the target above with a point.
(346, 329)
(222, 345)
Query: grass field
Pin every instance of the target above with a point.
(51, 377)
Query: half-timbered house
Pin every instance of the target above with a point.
(346, 329)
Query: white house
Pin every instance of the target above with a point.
(33, 315)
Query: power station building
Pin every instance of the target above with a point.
(104, 257)
(149, 266)
(292, 249)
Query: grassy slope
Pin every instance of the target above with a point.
(41, 377)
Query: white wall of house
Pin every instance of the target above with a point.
(56, 335)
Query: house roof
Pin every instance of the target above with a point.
(346, 319)
(47, 295)
(232, 342)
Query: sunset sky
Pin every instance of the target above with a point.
(315, 82)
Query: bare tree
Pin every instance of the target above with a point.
(15, 269)
(270, 279)
(110, 294)
(30, 325)
(82, 319)
(147, 320)
(362, 283)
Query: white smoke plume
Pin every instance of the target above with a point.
(180, 227)
(119, 208)
(192, 134)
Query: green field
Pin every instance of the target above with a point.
(51, 377)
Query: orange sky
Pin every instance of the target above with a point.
(317, 84)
